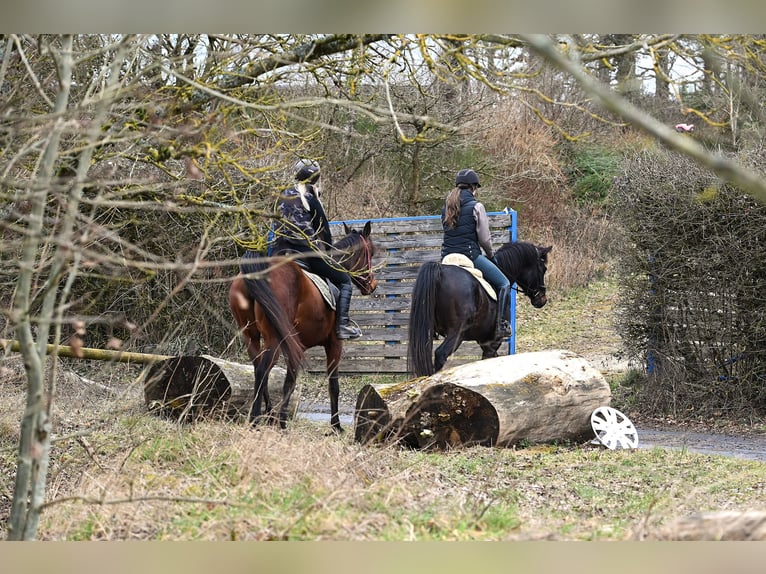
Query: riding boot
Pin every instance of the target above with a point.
(503, 326)
(344, 328)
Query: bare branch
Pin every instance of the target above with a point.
(751, 182)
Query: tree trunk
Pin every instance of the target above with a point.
(34, 438)
(60, 261)
(540, 397)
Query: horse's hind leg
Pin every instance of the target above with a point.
(442, 353)
(263, 366)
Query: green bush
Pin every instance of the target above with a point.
(591, 171)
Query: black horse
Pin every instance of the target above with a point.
(447, 300)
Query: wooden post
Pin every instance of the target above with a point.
(91, 353)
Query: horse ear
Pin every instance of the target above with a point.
(346, 228)
(367, 229)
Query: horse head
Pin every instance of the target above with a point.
(526, 264)
(355, 252)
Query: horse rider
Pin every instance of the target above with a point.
(302, 227)
(466, 231)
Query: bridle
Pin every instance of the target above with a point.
(541, 289)
(365, 282)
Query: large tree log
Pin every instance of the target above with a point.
(540, 397)
(199, 386)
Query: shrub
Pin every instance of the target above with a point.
(693, 271)
(591, 172)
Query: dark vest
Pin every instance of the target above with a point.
(462, 238)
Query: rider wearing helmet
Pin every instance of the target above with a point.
(302, 227)
(466, 231)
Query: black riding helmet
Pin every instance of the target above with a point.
(307, 170)
(467, 176)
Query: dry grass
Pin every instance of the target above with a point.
(119, 473)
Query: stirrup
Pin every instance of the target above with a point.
(504, 330)
(349, 331)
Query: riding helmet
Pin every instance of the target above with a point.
(307, 170)
(467, 176)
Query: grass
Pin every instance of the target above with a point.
(134, 476)
(304, 485)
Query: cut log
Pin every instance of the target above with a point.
(201, 386)
(420, 414)
(539, 397)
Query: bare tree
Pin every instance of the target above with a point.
(142, 136)
(32, 329)
(727, 169)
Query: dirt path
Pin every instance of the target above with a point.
(749, 447)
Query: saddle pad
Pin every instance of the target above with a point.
(463, 261)
(323, 286)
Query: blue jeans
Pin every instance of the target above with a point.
(491, 273)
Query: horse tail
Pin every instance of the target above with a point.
(420, 360)
(259, 290)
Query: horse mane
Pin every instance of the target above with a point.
(518, 254)
(346, 241)
(344, 247)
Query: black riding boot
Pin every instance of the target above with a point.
(344, 328)
(503, 327)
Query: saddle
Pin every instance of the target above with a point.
(328, 290)
(462, 261)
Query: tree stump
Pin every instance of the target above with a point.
(202, 386)
(539, 397)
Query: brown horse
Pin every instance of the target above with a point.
(277, 304)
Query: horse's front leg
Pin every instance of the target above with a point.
(442, 353)
(333, 352)
(489, 349)
(288, 387)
